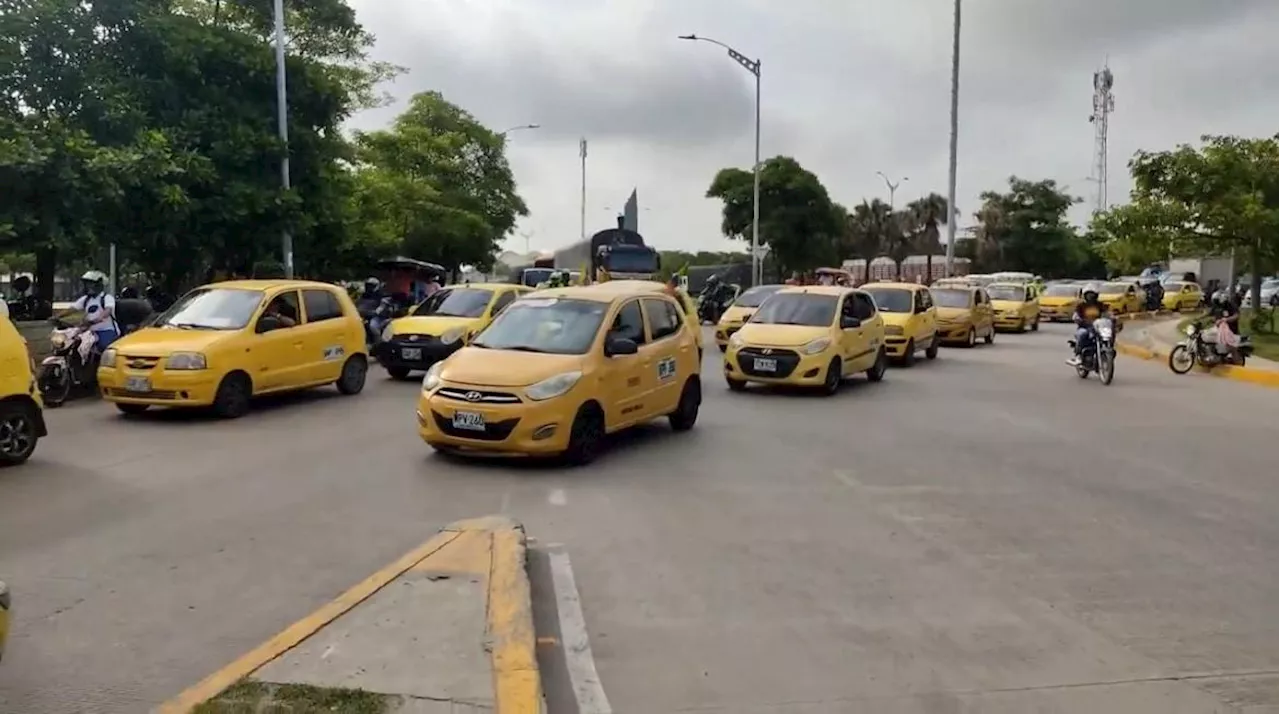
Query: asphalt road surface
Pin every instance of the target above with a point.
(986, 532)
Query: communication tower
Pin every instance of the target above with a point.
(1104, 102)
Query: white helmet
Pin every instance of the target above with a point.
(93, 282)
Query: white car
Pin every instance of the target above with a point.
(1270, 288)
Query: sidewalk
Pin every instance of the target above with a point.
(446, 629)
(1153, 339)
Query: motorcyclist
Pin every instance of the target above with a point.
(1226, 314)
(98, 308)
(1089, 309)
(712, 298)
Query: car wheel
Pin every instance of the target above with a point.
(835, 375)
(585, 436)
(354, 372)
(971, 339)
(398, 373)
(909, 356)
(1035, 325)
(18, 432)
(232, 398)
(735, 385)
(876, 373)
(991, 336)
(132, 409)
(931, 352)
(686, 413)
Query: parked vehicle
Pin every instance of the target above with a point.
(1100, 355)
(1200, 347)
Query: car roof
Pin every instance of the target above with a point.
(487, 286)
(834, 290)
(264, 285)
(895, 285)
(608, 291)
(1007, 284)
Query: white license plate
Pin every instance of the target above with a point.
(411, 354)
(471, 421)
(766, 365)
(137, 384)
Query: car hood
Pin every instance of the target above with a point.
(896, 319)
(164, 341)
(780, 335)
(737, 314)
(1111, 297)
(1058, 301)
(1007, 305)
(483, 366)
(955, 314)
(434, 325)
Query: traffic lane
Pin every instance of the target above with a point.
(145, 553)
(971, 531)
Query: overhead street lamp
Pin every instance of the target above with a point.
(522, 127)
(752, 66)
(893, 186)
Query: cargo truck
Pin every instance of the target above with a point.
(612, 254)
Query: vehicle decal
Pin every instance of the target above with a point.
(633, 381)
(334, 353)
(633, 408)
(666, 369)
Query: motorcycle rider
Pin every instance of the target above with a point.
(1224, 313)
(98, 307)
(1089, 309)
(714, 295)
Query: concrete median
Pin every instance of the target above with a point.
(447, 628)
(1155, 342)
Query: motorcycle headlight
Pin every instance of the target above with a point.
(452, 335)
(816, 346)
(432, 378)
(108, 358)
(57, 340)
(1104, 331)
(736, 340)
(186, 361)
(388, 333)
(553, 387)
(1189, 330)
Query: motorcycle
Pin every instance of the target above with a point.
(376, 317)
(711, 305)
(1195, 348)
(1100, 356)
(64, 370)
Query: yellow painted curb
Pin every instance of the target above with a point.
(1260, 377)
(509, 614)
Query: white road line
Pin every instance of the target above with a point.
(573, 636)
(557, 497)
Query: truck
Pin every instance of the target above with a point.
(1211, 273)
(534, 275)
(613, 253)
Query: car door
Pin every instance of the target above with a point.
(852, 339)
(1190, 297)
(983, 317)
(277, 353)
(323, 335)
(623, 375)
(872, 330)
(927, 314)
(663, 352)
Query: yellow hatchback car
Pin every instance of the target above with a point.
(910, 320)
(740, 311)
(560, 369)
(21, 409)
(814, 336)
(1015, 305)
(964, 315)
(1121, 298)
(441, 325)
(1181, 296)
(224, 343)
(1059, 301)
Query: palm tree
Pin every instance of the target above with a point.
(869, 231)
(926, 213)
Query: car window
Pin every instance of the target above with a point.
(926, 300)
(284, 305)
(979, 297)
(321, 305)
(629, 324)
(664, 318)
(864, 308)
(503, 300)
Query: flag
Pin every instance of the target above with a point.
(631, 213)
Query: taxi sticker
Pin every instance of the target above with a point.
(334, 353)
(666, 369)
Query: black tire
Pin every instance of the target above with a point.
(586, 436)
(971, 339)
(1177, 355)
(991, 336)
(879, 367)
(1082, 373)
(909, 356)
(132, 409)
(831, 382)
(931, 352)
(354, 373)
(55, 391)
(735, 385)
(1035, 325)
(18, 431)
(1106, 367)
(686, 413)
(398, 373)
(232, 398)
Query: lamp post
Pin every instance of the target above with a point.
(282, 123)
(752, 66)
(522, 127)
(893, 186)
(955, 134)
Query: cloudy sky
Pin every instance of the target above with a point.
(850, 87)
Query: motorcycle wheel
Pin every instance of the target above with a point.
(54, 389)
(1082, 372)
(1106, 366)
(1181, 359)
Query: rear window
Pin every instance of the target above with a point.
(951, 298)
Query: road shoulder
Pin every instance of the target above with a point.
(1151, 338)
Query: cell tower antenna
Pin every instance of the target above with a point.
(1104, 103)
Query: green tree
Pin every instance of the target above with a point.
(870, 232)
(798, 221)
(924, 216)
(1026, 229)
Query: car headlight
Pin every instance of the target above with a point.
(387, 333)
(186, 360)
(735, 340)
(1189, 330)
(431, 379)
(452, 335)
(553, 386)
(57, 340)
(108, 358)
(816, 346)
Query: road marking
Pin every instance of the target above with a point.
(577, 645)
(517, 683)
(557, 497)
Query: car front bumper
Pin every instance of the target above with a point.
(512, 428)
(793, 368)
(162, 387)
(398, 353)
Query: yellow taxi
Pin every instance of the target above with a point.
(1058, 302)
(1016, 306)
(812, 336)
(224, 343)
(1121, 297)
(910, 320)
(21, 410)
(1180, 296)
(558, 370)
(740, 311)
(964, 315)
(441, 325)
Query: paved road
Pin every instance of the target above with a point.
(981, 533)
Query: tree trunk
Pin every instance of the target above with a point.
(928, 268)
(46, 272)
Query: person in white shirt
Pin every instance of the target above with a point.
(98, 308)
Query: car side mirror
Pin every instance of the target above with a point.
(618, 346)
(849, 323)
(267, 323)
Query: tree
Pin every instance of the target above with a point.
(798, 221)
(870, 230)
(924, 216)
(1025, 229)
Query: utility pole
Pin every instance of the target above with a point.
(1104, 102)
(282, 120)
(893, 186)
(582, 153)
(955, 137)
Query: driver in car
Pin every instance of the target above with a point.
(273, 310)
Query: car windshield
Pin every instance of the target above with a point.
(212, 309)
(951, 298)
(623, 260)
(552, 325)
(756, 296)
(797, 309)
(1007, 292)
(455, 302)
(892, 299)
(1062, 291)
(1113, 289)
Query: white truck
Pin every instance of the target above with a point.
(1211, 273)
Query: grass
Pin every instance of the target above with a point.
(1264, 343)
(252, 697)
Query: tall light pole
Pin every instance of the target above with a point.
(752, 66)
(522, 127)
(955, 136)
(893, 186)
(282, 121)
(582, 154)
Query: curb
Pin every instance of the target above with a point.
(517, 683)
(1260, 377)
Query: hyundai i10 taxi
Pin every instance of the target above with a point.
(814, 336)
(740, 311)
(1015, 306)
(964, 315)
(1059, 300)
(558, 370)
(441, 325)
(910, 320)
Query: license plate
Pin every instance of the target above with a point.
(766, 365)
(471, 421)
(137, 384)
(411, 354)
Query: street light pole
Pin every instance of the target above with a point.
(522, 127)
(752, 66)
(282, 120)
(955, 136)
(893, 186)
